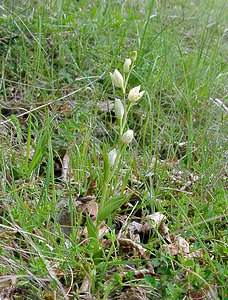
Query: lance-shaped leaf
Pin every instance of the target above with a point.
(110, 206)
(93, 234)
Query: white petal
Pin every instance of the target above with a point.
(127, 137)
(118, 108)
(126, 66)
(112, 156)
(134, 94)
(117, 79)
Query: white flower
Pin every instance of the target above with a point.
(117, 79)
(134, 94)
(126, 66)
(134, 56)
(112, 157)
(119, 108)
(127, 136)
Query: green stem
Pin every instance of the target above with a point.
(107, 181)
(127, 77)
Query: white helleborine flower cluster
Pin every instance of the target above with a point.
(121, 108)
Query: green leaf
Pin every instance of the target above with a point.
(110, 206)
(92, 229)
(188, 263)
(93, 235)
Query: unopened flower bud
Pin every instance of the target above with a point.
(118, 108)
(127, 137)
(112, 157)
(134, 94)
(133, 56)
(126, 66)
(117, 79)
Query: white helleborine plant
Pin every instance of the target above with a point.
(112, 157)
(117, 79)
(126, 66)
(119, 109)
(127, 137)
(135, 94)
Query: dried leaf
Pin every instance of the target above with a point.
(65, 221)
(157, 217)
(88, 206)
(139, 249)
(178, 246)
(91, 208)
(134, 293)
(135, 227)
(103, 229)
(197, 254)
(132, 231)
(152, 221)
(86, 285)
(164, 231)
